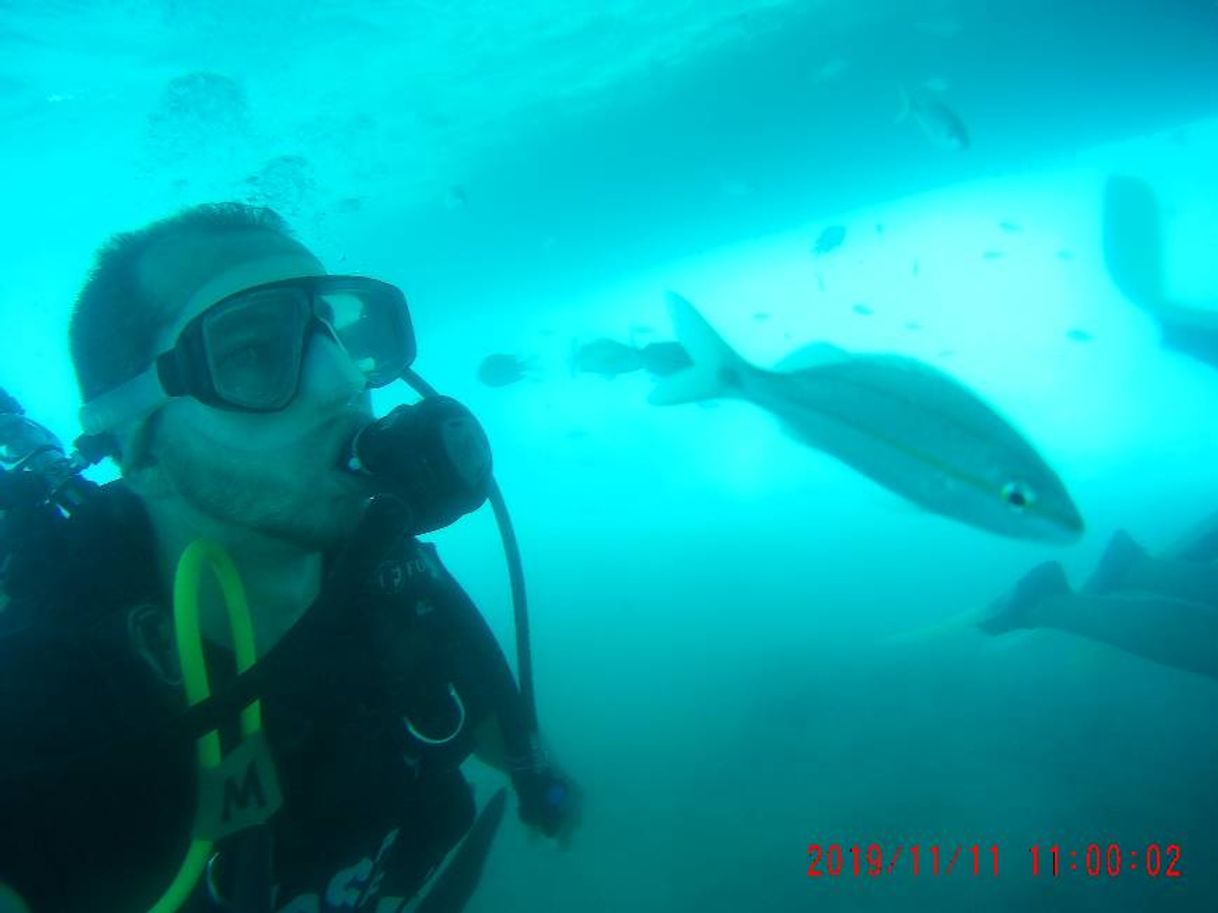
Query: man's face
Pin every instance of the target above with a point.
(274, 473)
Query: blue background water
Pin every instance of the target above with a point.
(714, 605)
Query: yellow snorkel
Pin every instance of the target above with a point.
(240, 790)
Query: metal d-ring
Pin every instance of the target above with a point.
(443, 740)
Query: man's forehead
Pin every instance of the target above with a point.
(182, 270)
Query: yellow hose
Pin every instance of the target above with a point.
(186, 583)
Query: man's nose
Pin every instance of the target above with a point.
(328, 371)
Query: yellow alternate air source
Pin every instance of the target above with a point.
(198, 555)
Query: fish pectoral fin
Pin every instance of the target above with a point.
(715, 363)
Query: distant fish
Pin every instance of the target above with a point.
(761, 316)
(664, 358)
(915, 269)
(606, 357)
(936, 84)
(994, 255)
(904, 424)
(500, 370)
(861, 309)
(1064, 254)
(820, 282)
(912, 325)
(1010, 227)
(879, 228)
(829, 239)
(939, 123)
(1079, 335)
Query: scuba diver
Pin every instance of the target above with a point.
(234, 679)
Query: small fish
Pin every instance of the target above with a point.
(993, 255)
(936, 84)
(861, 309)
(606, 357)
(664, 358)
(761, 316)
(1065, 254)
(500, 370)
(1010, 227)
(829, 239)
(904, 424)
(879, 228)
(939, 123)
(820, 282)
(912, 325)
(1079, 335)
(916, 269)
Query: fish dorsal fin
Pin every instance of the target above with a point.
(814, 355)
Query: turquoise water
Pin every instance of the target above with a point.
(719, 612)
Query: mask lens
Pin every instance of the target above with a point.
(373, 324)
(254, 348)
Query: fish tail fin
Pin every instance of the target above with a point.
(906, 105)
(713, 359)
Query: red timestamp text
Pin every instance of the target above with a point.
(1094, 860)
(875, 860)
(1109, 860)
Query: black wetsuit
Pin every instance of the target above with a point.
(97, 750)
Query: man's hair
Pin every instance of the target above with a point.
(115, 322)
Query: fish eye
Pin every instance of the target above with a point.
(1017, 495)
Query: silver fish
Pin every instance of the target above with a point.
(902, 423)
(939, 123)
